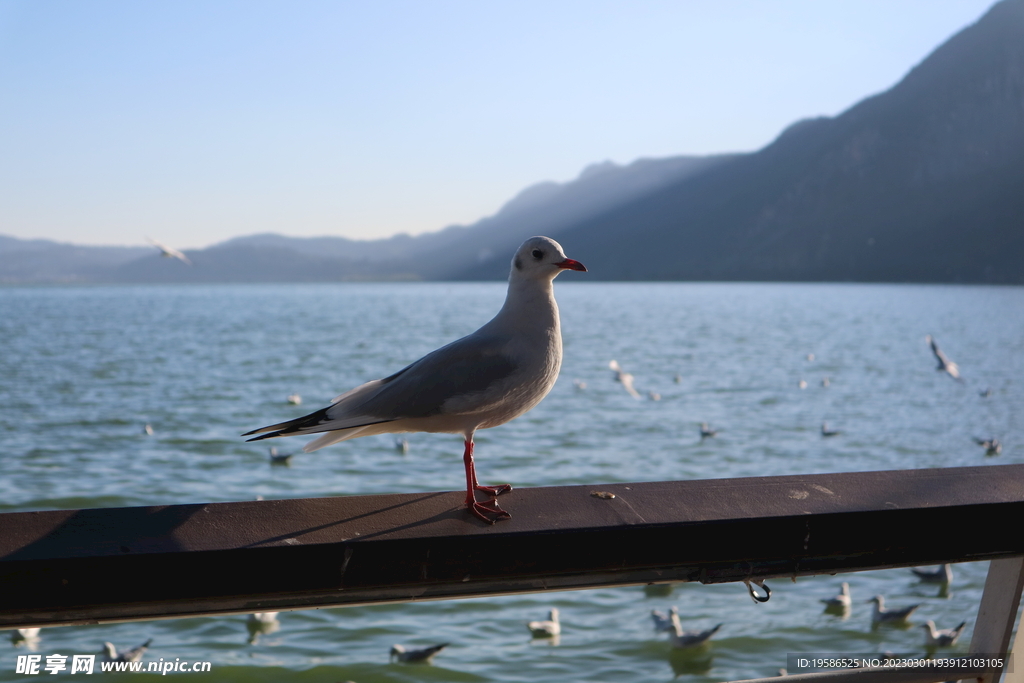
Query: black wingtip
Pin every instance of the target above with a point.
(271, 435)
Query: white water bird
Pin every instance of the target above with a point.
(706, 432)
(148, 430)
(423, 656)
(881, 615)
(944, 574)
(579, 385)
(825, 431)
(624, 378)
(169, 252)
(662, 621)
(295, 399)
(945, 364)
(802, 384)
(682, 639)
(825, 382)
(992, 445)
(548, 628)
(842, 600)
(402, 446)
(280, 459)
(480, 381)
(941, 637)
(110, 653)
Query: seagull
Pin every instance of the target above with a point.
(402, 446)
(941, 637)
(943, 574)
(110, 653)
(295, 399)
(280, 459)
(945, 364)
(889, 616)
(706, 432)
(677, 378)
(148, 430)
(415, 656)
(841, 600)
(169, 252)
(825, 431)
(992, 445)
(654, 395)
(28, 637)
(579, 384)
(686, 639)
(480, 381)
(810, 358)
(662, 621)
(825, 382)
(546, 629)
(625, 378)
(986, 392)
(802, 384)
(259, 623)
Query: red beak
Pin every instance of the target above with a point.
(571, 265)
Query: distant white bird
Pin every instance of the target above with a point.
(802, 384)
(810, 357)
(825, 431)
(992, 445)
(683, 639)
(624, 377)
(944, 574)
(28, 632)
(169, 252)
(579, 385)
(706, 432)
(280, 458)
(841, 600)
(825, 382)
(262, 617)
(945, 364)
(941, 637)
(548, 628)
(402, 446)
(295, 399)
(480, 381)
(110, 653)
(148, 430)
(27, 637)
(881, 615)
(423, 656)
(662, 621)
(259, 623)
(654, 395)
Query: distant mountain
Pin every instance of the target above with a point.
(40, 261)
(922, 183)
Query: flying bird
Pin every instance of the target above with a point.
(682, 639)
(110, 653)
(169, 252)
(548, 628)
(881, 615)
(943, 574)
(625, 378)
(480, 381)
(945, 364)
(941, 637)
(415, 656)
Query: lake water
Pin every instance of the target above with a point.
(84, 369)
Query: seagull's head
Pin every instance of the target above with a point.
(542, 258)
(396, 650)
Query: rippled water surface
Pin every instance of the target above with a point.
(84, 369)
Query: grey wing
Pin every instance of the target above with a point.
(470, 365)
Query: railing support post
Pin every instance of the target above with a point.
(997, 612)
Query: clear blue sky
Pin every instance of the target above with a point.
(197, 121)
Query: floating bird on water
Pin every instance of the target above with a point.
(825, 431)
(945, 364)
(881, 615)
(992, 445)
(986, 392)
(624, 377)
(579, 384)
(662, 621)
(295, 399)
(402, 446)
(110, 653)
(941, 637)
(169, 252)
(546, 629)
(943, 574)
(677, 378)
(654, 395)
(280, 458)
(841, 600)
(148, 430)
(706, 432)
(480, 381)
(686, 639)
(27, 637)
(415, 656)
(259, 623)
(810, 357)
(802, 384)
(825, 382)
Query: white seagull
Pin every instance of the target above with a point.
(662, 621)
(686, 639)
(941, 637)
(625, 378)
(992, 445)
(415, 656)
(169, 252)
(945, 364)
(706, 432)
(943, 574)
(842, 600)
(277, 458)
(825, 431)
(480, 381)
(889, 616)
(110, 653)
(546, 629)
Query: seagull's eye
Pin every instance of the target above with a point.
(538, 254)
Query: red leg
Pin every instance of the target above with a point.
(482, 510)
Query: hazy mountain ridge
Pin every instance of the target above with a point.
(921, 183)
